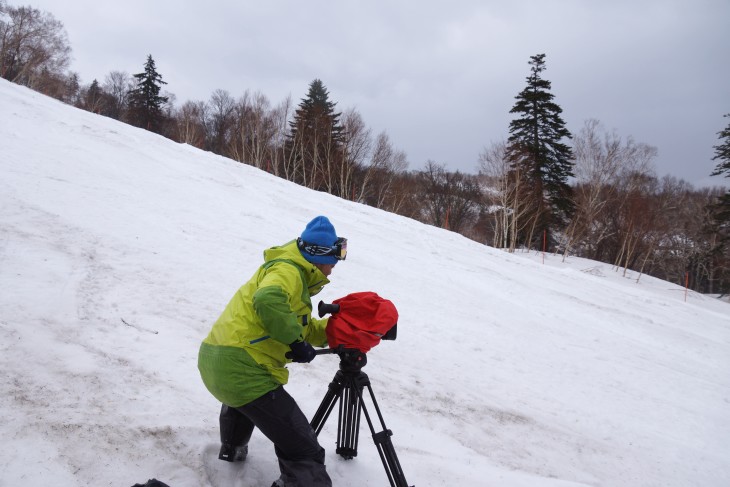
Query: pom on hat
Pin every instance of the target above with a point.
(319, 232)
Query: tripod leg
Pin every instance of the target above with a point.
(385, 446)
(334, 392)
(345, 389)
(348, 427)
(389, 458)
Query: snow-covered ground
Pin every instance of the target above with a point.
(119, 248)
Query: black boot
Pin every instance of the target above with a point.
(233, 454)
(236, 430)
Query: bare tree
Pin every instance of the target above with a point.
(450, 199)
(282, 165)
(118, 84)
(220, 121)
(525, 205)
(660, 233)
(513, 211)
(33, 45)
(636, 217)
(407, 194)
(377, 186)
(190, 123)
(494, 167)
(263, 128)
(598, 162)
(254, 132)
(611, 173)
(356, 148)
(65, 87)
(680, 240)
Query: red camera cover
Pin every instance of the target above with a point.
(362, 320)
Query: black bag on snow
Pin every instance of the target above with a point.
(152, 483)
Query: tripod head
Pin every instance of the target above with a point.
(351, 359)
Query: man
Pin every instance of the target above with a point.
(242, 361)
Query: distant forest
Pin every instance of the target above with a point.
(591, 194)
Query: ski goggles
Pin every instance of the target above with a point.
(338, 250)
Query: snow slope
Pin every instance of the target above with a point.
(119, 248)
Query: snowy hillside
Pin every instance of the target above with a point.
(119, 248)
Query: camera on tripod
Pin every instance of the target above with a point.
(332, 308)
(357, 323)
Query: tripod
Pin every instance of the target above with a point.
(346, 389)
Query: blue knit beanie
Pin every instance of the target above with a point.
(319, 232)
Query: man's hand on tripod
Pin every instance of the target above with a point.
(301, 352)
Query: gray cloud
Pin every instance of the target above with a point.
(439, 76)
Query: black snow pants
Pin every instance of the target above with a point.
(277, 415)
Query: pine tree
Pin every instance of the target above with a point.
(539, 159)
(314, 144)
(722, 154)
(719, 216)
(145, 102)
(93, 98)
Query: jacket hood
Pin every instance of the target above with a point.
(289, 251)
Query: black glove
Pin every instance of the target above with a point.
(301, 352)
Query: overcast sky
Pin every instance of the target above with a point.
(438, 76)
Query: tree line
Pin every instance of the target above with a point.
(592, 194)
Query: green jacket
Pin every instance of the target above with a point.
(243, 356)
